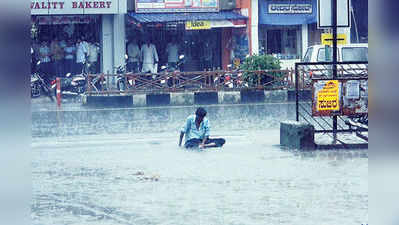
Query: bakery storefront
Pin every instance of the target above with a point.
(209, 39)
(286, 28)
(70, 20)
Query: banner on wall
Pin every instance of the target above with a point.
(157, 6)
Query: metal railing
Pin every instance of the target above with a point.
(164, 82)
(308, 74)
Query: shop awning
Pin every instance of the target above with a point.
(228, 23)
(176, 17)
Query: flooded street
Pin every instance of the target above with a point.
(131, 171)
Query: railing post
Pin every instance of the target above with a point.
(296, 92)
(101, 82)
(126, 82)
(58, 81)
(174, 81)
(88, 85)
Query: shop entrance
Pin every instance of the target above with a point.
(283, 41)
(60, 34)
(202, 49)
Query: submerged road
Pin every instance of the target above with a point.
(119, 171)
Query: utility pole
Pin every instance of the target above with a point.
(334, 59)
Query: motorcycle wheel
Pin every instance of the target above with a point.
(48, 93)
(121, 85)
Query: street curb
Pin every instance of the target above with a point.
(194, 98)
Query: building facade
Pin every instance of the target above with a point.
(101, 22)
(286, 28)
(210, 34)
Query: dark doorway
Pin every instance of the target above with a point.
(273, 41)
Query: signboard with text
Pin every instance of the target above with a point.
(156, 6)
(290, 8)
(198, 25)
(70, 7)
(340, 97)
(326, 97)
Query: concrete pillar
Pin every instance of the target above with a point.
(119, 40)
(107, 44)
(118, 44)
(254, 26)
(305, 38)
(297, 135)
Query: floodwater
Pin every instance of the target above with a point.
(133, 172)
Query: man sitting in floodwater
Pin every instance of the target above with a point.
(197, 131)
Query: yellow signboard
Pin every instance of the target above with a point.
(328, 97)
(327, 39)
(198, 25)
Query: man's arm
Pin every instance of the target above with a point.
(181, 138)
(206, 134)
(155, 54)
(204, 141)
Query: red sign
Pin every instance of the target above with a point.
(156, 6)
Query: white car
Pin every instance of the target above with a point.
(346, 53)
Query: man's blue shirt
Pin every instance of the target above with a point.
(191, 131)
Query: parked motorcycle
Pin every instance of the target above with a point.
(121, 80)
(232, 79)
(71, 86)
(39, 85)
(169, 69)
(75, 85)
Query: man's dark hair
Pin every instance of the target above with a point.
(201, 112)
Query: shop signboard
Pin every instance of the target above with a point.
(326, 94)
(157, 6)
(324, 18)
(198, 25)
(343, 97)
(327, 39)
(290, 8)
(76, 7)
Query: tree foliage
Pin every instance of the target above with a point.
(260, 62)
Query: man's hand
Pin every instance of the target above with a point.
(181, 138)
(201, 146)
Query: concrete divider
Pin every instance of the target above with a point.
(304, 95)
(206, 98)
(276, 96)
(200, 98)
(185, 98)
(158, 99)
(139, 100)
(229, 97)
(87, 121)
(252, 96)
(116, 101)
(297, 135)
